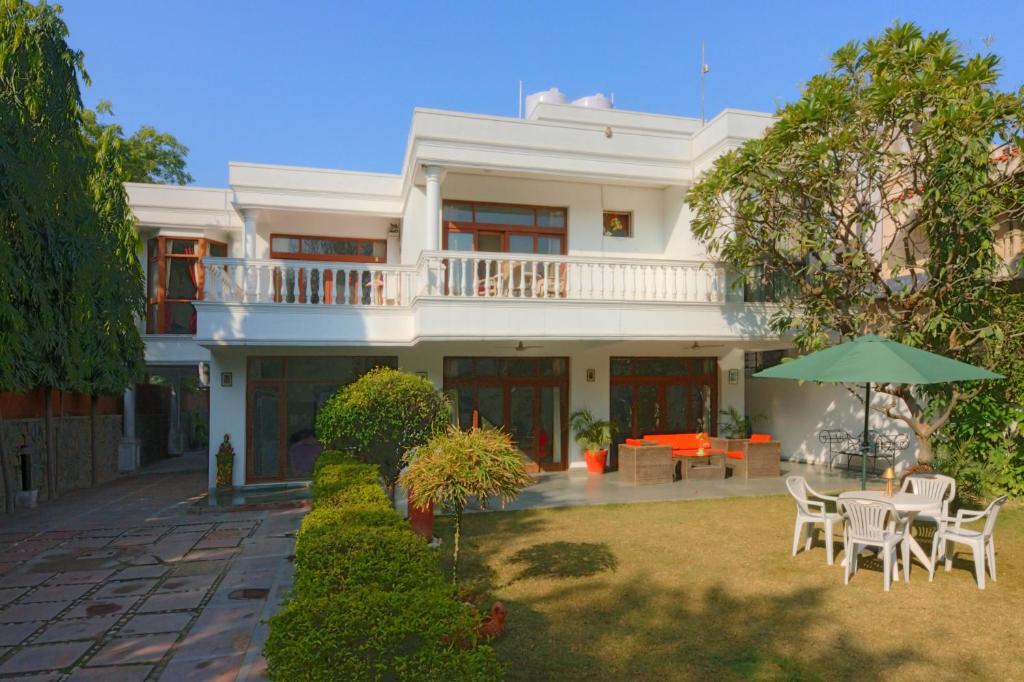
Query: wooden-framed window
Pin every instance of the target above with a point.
(175, 279)
(350, 249)
(504, 228)
(617, 224)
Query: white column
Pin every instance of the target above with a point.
(249, 235)
(128, 449)
(433, 222)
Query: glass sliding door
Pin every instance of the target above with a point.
(663, 395)
(527, 397)
(285, 395)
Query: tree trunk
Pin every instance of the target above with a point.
(49, 446)
(94, 438)
(455, 548)
(8, 475)
(924, 449)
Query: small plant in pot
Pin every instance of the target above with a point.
(594, 436)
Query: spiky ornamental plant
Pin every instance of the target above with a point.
(456, 467)
(870, 206)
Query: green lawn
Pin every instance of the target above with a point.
(707, 590)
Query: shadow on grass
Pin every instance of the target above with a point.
(563, 560)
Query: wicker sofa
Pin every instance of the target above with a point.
(684, 447)
(756, 457)
(645, 464)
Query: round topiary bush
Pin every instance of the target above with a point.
(381, 416)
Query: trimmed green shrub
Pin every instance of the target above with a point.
(347, 483)
(372, 634)
(369, 601)
(382, 416)
(335, 553)
(332, 457)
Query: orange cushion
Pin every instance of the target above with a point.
(677, 441)
(760, 438)
(735, 454)
(637, 441)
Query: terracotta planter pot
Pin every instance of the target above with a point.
(595, 460)
(422, 521)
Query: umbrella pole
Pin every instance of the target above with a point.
(864, 439)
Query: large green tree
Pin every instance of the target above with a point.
(71, 284)
(46, 214)
(869, 206)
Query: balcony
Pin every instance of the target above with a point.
(449, 295)
(462, 275)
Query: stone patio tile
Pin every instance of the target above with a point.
(44, 657)
(76, 629)
(20, 613)
(9, 594)
(134, 540)
(125, 588)
(14, 537)
(151, 623)
(120, 673)
(102, 533)
(56, 593)
(219, 542)
(199, 567)
(86, 543)
(24, 579)
(141, 572)
(216, 669)
(192, 528)
(14, 634)
(208, 554)
(7, 568)
(123, 650)
(173, 601)
(101, 607)
(187, 583)
(80, 577)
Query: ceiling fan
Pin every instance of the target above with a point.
(520, 347)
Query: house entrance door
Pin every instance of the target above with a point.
(285, 395)
(662, 395)
(528, 397)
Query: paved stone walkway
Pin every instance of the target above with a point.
(135, 581)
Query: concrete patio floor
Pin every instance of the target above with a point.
(576, 487)
(136, 581)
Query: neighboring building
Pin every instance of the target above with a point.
(528, 267)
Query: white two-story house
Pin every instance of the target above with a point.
(528, 267)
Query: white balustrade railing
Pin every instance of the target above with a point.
(461, 275)
(245, 280)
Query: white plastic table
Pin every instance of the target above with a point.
(909, 506)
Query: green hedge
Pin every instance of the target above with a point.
(369, 601)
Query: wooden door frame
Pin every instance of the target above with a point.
(506, 384)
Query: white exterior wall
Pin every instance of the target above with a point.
(229, 404)
(795, 412)
(654, 236)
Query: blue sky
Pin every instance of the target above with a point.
(333, 84)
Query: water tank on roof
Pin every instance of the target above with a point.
(597, 101)
(551, 96)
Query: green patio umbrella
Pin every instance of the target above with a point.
(871, 359)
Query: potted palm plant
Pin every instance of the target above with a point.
(594, 436)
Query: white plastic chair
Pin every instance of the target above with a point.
(873, 523)
(981, 542)
(810, 512)
(938, 487)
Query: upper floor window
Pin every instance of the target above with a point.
(175, 279)
(328, 248)
(504, 228)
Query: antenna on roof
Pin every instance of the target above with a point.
(704, 68)
(520, 98)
